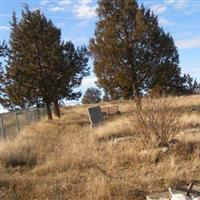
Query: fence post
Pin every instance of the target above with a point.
(2, 127)
(27, 118)
(108, 111)
(44, 111)
(34, 114)
(38, 113)
(17, 122)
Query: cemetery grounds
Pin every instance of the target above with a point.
(66, 159)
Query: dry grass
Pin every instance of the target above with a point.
(65, 159)
(111, 131)
(156, 123)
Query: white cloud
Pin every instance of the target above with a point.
(189, 43)
(4, 28)
(193, 8)
(64, 2)
(56, 5)
(187, 6)
(159, 8)
(177, 4)
(84, 9)
(44, 2)
(89, 81)
(165, 22)
(57, 9)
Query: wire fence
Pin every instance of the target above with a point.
(13, 123)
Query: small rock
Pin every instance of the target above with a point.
(173, 143)
(164, 149)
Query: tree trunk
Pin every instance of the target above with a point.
(57, 109)
(138, 102)
(49, 113)
(137, 97)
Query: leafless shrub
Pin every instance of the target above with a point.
(157, 122)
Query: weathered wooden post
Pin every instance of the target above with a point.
(38, 113)
(2, 127)
(108, 111)
(27, 117)
(17, 122)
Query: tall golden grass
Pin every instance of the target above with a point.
(65, 159)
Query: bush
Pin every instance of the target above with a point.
(157, 122)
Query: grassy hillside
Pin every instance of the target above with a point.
(65, 159)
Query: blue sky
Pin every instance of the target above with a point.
(77, 18)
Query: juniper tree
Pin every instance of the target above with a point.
(41, 68)
(35, 57)
(9, 87)
(92, 95)
(106, 96)
(190, 85)
(4, 53)
(129, 47)
(73, 69)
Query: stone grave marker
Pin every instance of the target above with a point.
(95, 116)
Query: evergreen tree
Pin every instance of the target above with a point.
(167, 80)
(4, 50)
(34, 59)
(40, 67)
(190, 85)
(92, 95)
(129, 48)
(4, 53)
(73, 69)
(106, 96)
